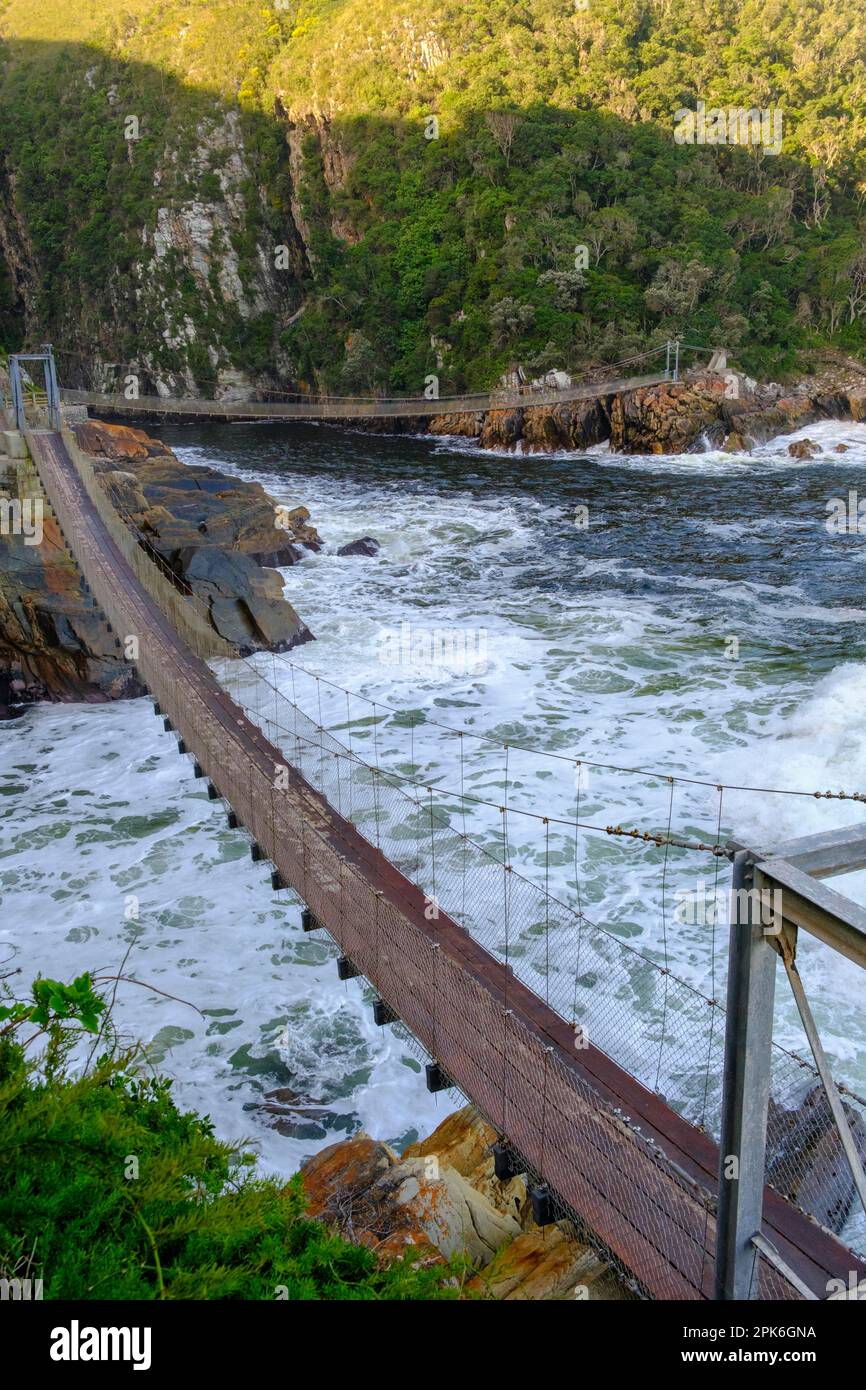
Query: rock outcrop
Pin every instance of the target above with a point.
(466, 425)
(442, 1199)
(54, 643)
(365, 546)
(716, 410)
(802, 449)
(217, 534)
(572, 425)
(666, 419)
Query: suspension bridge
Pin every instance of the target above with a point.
(280, 405)
(670, 1127)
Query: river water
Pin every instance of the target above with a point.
(687, 617)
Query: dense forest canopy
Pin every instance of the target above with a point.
(462, 187)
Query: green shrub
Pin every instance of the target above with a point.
(108, 1190)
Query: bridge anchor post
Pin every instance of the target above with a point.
(745, 1088)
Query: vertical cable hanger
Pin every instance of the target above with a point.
(432, 849)
(666, 970)
(579, 770)
(351, 759)
(546, 911)
(321, 738)
(465, 845)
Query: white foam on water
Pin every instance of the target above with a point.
(101, 810)
(631, 678)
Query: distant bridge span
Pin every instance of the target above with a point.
(632, 1169)
(353, 408)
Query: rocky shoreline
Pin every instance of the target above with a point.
(704, 410)
(441, 1199)
(219, 536)
(222, 537)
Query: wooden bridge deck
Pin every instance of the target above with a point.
(342, 408)
(648, 1196)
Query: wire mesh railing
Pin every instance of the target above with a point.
(516, 992)
(659, 1027)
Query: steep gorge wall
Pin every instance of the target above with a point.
(215, 197)
(197, 303)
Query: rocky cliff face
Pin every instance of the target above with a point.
(200, 279)
(712, 410)
(211, 275)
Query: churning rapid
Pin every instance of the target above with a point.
(690, 616)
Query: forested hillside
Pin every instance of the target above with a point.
(353, 194)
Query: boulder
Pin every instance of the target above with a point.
(365, 546)
(296, 520)
(277, 625)
(548, 1265)
(233, 622)
(857, 404)
(802, 449)
(737, 443)
(450, 1214)
(230, 573)
(297, 1115)
(245, 600)
(442, 1198)
(463, 1142)
(389, 1203)
(102, 440)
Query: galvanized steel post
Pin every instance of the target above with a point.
(745, 1087)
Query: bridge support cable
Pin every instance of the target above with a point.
(620, 1157)
(691, 1050)
(600, 380)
